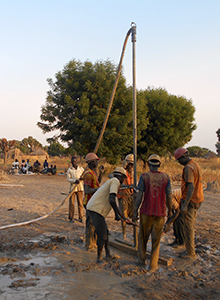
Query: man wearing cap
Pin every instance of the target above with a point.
(154, 194)
(91, 185)
(192, 197)
(99, 207)
(125, 196)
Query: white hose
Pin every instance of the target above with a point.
(45, 216)
(40, 218)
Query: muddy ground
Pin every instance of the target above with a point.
(47, 259)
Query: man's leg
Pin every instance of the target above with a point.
(80, 204)
(102, 234)
(71, 207)
(189, 223)
(178, 230)
(144, 232)
(180, 235)
(91, 236)
(123, 208)
(156, 233)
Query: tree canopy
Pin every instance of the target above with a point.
(77, 102)
(171, 122)
(55, 148)
(76, 106)
(196, 151)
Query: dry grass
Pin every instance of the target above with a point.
(4, 177)
(210, 167)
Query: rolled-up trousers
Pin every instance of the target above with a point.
(150, 225)
(101, 230)
(189, 227)
(79, 196)
(91, 236)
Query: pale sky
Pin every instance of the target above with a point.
(178, 48)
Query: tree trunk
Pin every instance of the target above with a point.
(5, 159)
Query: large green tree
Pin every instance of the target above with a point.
(171, 122)
(77, 103)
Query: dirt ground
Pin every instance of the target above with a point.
(47, 259)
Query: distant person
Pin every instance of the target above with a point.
(76, 184)
(36, 166)
(15, 164)
(54, 170)
(28, 166)
(15, 167)
(192, 198)
(45, 166)
(23, 167)
(153, 196)
(50, 169)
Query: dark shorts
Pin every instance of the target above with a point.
(100, 227)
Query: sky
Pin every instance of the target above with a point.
(177, 48)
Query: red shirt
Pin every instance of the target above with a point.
(90, 178)
(123, 194)
(155, 186)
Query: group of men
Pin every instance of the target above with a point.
(153, 197)
(22, 169)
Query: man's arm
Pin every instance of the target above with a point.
(169, 204)
(101, 172)
(190, 190)
(118, 214)
(138, 203)
(71, 178)
(89, 190)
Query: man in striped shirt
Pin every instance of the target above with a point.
(154, 194)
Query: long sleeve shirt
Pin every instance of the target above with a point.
(73, 175)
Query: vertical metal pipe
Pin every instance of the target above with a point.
(134, 102)
(134, 39)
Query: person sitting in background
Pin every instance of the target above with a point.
(15, 167)
(36, 166)
(54, 170)
(50, 168)
(45, 167)
(15, 164)
(23, 167)
(28, 166)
